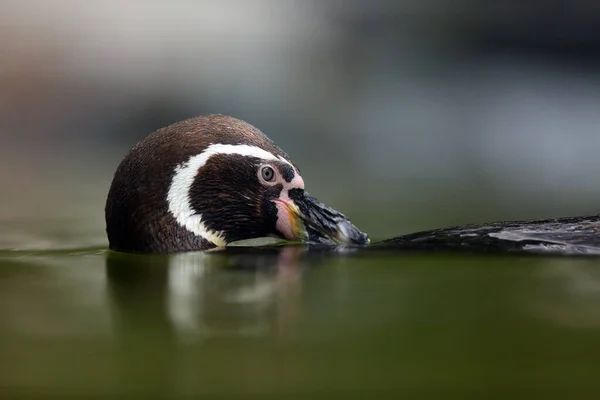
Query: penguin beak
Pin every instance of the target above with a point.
(311, 221)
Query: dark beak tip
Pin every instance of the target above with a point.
(363, 239)
(352, 235)
(326, 225)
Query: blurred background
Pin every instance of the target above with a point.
(405, 115)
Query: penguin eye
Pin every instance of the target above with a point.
(267, 173)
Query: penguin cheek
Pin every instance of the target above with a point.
(276, 215)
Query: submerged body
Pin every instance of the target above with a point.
(566, 236)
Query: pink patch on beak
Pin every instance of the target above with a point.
(286, 220)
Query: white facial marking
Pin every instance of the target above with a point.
(296, 183)
(286, 161)
(185, 173)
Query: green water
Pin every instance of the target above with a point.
(294, 323)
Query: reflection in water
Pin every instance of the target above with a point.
(263, 320)
(193, 297)
(228, 292)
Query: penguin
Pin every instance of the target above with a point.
(209, 181)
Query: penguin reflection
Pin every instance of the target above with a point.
(195, 296)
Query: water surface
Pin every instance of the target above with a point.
(296, 322)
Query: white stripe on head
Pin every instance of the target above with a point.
(185, 174)
(286, 161)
